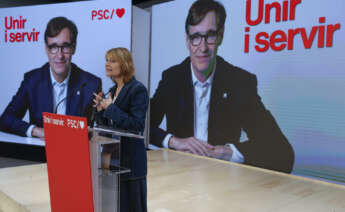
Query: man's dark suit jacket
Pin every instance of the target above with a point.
(234, 106)
(36, 95)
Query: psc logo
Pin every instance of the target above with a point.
(107, 14)
(76, 124)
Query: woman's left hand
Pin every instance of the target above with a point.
(106, 102)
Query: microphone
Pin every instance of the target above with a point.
(94, 111)
(58, 104)
(107, 92)
(103, 96)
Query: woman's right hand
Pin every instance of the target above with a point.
(97, 100)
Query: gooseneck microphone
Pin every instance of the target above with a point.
(104, 95)
(107, 92)
(78, 90)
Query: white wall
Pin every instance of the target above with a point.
(141, 25)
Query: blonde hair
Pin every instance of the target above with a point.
(124, 58)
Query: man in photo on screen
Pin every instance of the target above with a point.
(208, 103)
(59, 86)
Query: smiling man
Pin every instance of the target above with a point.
(58, 86)
(208, 102)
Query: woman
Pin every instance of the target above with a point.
(125, 108)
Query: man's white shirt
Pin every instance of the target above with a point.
(59, 94)
(202, 96)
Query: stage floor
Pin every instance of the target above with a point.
(182, 182)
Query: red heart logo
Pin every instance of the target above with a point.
(120, 12)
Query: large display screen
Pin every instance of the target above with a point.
(101, 25)
(295, 49)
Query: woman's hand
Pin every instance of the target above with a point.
(97, 100)
(100, 102)
(106, 102)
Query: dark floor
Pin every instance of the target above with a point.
(11, 162)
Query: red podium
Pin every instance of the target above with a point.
(68, 163)
(76, 180)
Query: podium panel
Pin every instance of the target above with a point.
(106, 181)
(68, 163)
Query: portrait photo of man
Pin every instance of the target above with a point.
(208, 102)
(59, 86)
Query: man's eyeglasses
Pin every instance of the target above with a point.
(210, 38)
(66, 48)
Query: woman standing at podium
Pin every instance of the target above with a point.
(125, 108)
